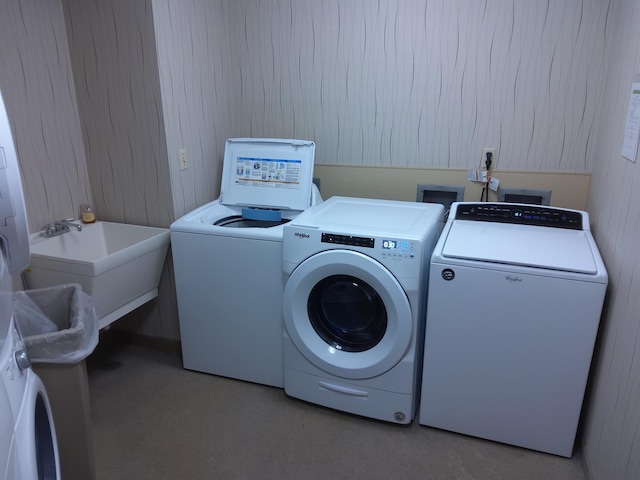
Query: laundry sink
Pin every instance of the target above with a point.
(118, 264)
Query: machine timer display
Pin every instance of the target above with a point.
(396, 245)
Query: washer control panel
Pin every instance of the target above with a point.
(366, 242)
(540, 216)
(390, 248)
(398, 249)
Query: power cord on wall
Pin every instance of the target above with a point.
(484, 196)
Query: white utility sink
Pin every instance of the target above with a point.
(118, 264)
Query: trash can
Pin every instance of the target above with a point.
(59, 326)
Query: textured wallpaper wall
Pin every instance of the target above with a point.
(38, 88)
(114, 62)
(612, 423)
(394, 83)
(413, 83)
(423, 83)
(193, 50)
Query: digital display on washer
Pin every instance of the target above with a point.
(396, 245)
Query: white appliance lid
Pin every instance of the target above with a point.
(524, 245)
(268, 173)
(373, 216)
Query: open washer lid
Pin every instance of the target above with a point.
(267, 173)
(509, 234)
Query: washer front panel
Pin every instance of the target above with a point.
(354, 365)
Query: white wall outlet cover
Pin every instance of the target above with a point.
(182, 158)
(494, 183)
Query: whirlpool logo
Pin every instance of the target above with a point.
(301, 235)
(512, 278)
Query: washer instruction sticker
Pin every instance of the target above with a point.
(268, 172)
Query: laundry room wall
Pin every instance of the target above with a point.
(612, 411)
(216, 83)
(395, 84)
(112, 48)
(424, 83)
(115, 65)
(569, 189)
(195, 75)
(38, 88)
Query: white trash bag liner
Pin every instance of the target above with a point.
(58, 324)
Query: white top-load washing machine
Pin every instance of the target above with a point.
(515, 298)
(354, 304)
(227, 258)
(28, 446)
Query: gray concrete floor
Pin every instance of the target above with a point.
(154, 420)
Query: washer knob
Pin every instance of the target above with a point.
(22, 359)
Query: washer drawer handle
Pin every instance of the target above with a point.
(345, 390)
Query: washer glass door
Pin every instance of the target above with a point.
(347, 314)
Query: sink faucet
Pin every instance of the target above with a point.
(69, 222)
(59, 227)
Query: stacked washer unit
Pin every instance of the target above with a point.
(28, 444)
(516, 293)
(354, 304)
(227, 257)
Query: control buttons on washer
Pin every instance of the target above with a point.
(397, 249)
(541, 216)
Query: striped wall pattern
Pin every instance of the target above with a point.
(612, 423)
(424, 83)
(391, 83)
(114, 62)
(194, 68)
(38, 88)
(415, 83)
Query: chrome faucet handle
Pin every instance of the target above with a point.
(60, 226)
(70, 222)
(48, 230)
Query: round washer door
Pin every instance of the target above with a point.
(347, 314)
(36, 441)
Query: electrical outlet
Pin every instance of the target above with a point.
(182, 156)
(494, 157)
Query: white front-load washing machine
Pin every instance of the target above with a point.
(227, 258)
(28, 445)
(516, 293)
(354, 304)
